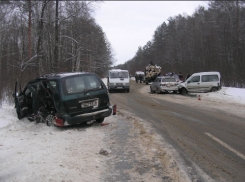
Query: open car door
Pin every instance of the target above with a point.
(23, 100)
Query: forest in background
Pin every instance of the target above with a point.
(212, 39)
(40, 37)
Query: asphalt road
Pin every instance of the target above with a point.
(212, 140)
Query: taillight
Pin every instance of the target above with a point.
(59, 122)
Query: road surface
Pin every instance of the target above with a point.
(210, 139)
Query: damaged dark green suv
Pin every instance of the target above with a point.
(64, 99)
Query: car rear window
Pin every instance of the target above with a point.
(81, 83)
(168, 80)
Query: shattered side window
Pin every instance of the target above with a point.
(29, 89)
(53, 84)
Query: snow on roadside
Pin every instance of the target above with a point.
(7, 115)
(226, 94)
(31, 151)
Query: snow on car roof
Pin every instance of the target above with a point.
(64, 74)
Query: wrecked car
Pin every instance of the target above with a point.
(164, 84)
(63, 99)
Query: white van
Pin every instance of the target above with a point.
(118, 79)
(201, 82)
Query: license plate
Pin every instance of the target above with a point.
(90, 103)
(119, 87)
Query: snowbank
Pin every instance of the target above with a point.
(227, 94)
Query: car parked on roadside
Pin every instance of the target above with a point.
(164, 84)
(63, 99)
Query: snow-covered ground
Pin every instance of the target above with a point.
(227, 94)
(32, 151)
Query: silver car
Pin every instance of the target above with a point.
(164, 84)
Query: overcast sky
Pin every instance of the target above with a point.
(130, 24)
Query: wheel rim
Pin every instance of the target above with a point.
(50, 120)
(184, 91)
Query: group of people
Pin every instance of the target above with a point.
(181, 77)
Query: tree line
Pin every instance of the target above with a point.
(40, 37)
(212, 39)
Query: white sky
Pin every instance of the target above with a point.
(130, 24)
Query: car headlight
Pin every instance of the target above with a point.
(112, 84)
(126, 84)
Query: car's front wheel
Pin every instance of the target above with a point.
(100, 120)
(183, 91)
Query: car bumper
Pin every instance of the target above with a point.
(168, 89)
(83, 118)
(121, 87)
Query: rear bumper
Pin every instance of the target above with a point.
(85, 117)
(168, 88)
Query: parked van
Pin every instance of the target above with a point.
(201, 82)
(118, 79)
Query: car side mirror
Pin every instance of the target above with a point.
(188, 82)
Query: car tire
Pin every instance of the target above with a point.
(183, 91)
(100, 120)
(214, 89)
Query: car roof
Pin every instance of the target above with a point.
(166, 77)
(206, 73)
(118, 70)
(57, 76)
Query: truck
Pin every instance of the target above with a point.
(118, 79)
(151, 72)
(139, 76)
